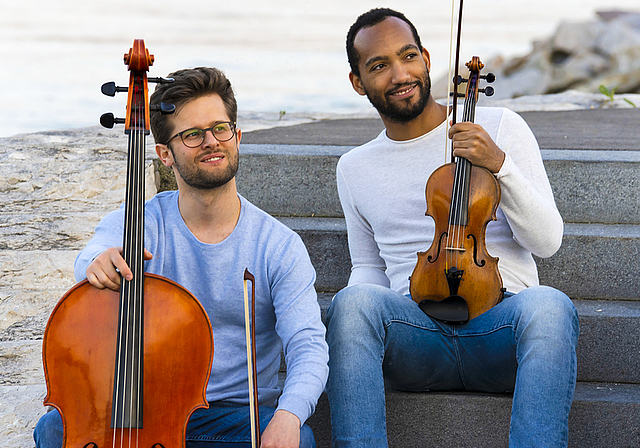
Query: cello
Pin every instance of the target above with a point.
(128, 368)
(456, 279)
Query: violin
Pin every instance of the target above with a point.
(456, 279)
(128, 368)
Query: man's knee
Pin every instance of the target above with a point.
(48, 430)
(354, 306)
(307, 440)
(549, 307)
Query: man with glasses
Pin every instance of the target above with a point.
(203, 236)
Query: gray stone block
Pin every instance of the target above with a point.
(594, 262)
(299, 180)
(602, 415)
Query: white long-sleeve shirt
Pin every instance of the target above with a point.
(381, 185)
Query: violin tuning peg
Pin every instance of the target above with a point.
(489, 77)
(488, 91)
(108, 120)
(161, 80)
(459, 80)
(110, 88)
(163, 108)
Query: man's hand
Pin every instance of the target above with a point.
(472, 142)
(283, 431)
(103, 270)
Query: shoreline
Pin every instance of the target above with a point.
(570, 100)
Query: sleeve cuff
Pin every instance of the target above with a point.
(505, 168)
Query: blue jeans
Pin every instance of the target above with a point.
(220, 426)
(525, 344)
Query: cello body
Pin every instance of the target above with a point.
(79, 351)
(127, 368)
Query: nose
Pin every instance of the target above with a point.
(400, 74)
(209, 139)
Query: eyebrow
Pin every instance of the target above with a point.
(384, 58)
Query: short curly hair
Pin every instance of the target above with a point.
(188, 85)
(369, 19)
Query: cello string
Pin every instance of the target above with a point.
(137, 262)
(140, 254)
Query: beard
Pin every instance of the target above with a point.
(203, 180)
(403, 113)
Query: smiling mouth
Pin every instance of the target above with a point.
(403, 91)
(212, 158)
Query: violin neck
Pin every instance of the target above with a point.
(459, 212)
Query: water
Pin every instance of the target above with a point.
(281, 55)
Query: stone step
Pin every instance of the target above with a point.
(609, 344)
(603, 414)
(608, 348)
(596, 261)
(592, 158)
(299, 180)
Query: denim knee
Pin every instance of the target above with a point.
(547, 302)
(550, 310)
(48, 430)
(356, 303)
(307, 440)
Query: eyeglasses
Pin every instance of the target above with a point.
(192, 138)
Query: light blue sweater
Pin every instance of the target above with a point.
(287, 311)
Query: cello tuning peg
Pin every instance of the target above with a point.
(161, 80)
(163, 108)
(110, 88)
(108, 120)
(488, 91)
(490, 77)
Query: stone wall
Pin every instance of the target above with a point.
(54, 188)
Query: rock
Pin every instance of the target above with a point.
(578, 56)
(572, 38)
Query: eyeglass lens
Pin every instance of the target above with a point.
(194, 137)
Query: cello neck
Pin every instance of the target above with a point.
(129, 371)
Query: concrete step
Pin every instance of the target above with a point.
(592, 159)
(299, 180)
(597, 129)
(608, 348)
(602, 415)
(596, 261)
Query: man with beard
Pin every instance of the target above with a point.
(376, 332)
(203, 236)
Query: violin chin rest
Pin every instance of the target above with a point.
(452, 310)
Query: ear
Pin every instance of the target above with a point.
(427, 58)
(164, 154)
(239, 135)
(356, 83)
